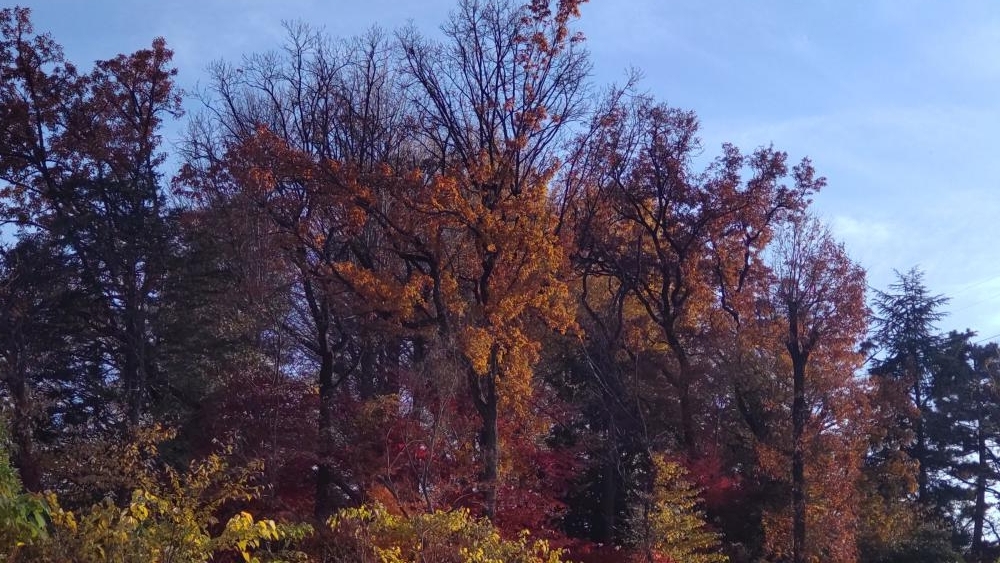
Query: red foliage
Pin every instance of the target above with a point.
(718, 486)
(268, 417)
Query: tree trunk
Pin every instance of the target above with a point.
(920, 448)
(799, 357)
(798, 460)
(609, 486)
(491, 450)
(682, 383)
(979, 515)
(326, 479)
(688, 440)
(485, 398)
(22, 430)
(324, 467)
(367, 379)
(133, 342)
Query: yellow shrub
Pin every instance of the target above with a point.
(171, 519)
(370, 534)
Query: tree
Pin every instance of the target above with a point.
(680, 243)
(491, 103)
(819, 298)
(285, 138)
(41, 337)
(962, 439)
(904, 335)
(673, 526)
(79, 164)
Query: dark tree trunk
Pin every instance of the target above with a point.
(325, 504)
(799, 354)
(368, 377)
(485, 398)
(134, 366)
(22, 430)
(798, 459)
(979, 514)
(609, 487)
(326, 477)
(681, 381)
(688, 440)
(130, 375)
(920, 446)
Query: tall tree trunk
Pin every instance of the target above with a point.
(326, 479)
(484, 392)
(22, 429)
(979, 514)
(800, 357)
(920, 447)
(682, 383)
(688, 439)
(133, 342)
(912, 371)
(131, 375)
(367, 379)
(609, 485)
(324, 466)
(798, 460)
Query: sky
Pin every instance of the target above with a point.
(897, 102)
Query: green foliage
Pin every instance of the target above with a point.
(22, 516)
(672, 526)
(370, 534)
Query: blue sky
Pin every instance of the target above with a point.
(896, 101)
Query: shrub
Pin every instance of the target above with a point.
(370, 534)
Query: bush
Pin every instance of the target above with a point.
(370, 534)
(171, 518)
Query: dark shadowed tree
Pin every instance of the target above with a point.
(78, 163)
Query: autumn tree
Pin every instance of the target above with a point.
(681, 243)
(428, 284)
(674, 526)
(492, 101)
(285, 135)
(818, 295)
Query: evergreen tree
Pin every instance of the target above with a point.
(964, 440)
(907, 344)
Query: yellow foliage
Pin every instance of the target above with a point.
(154, 529)
(673, 525)
(371, 534)
(479, 349)
(170, 518)
(382, 292)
